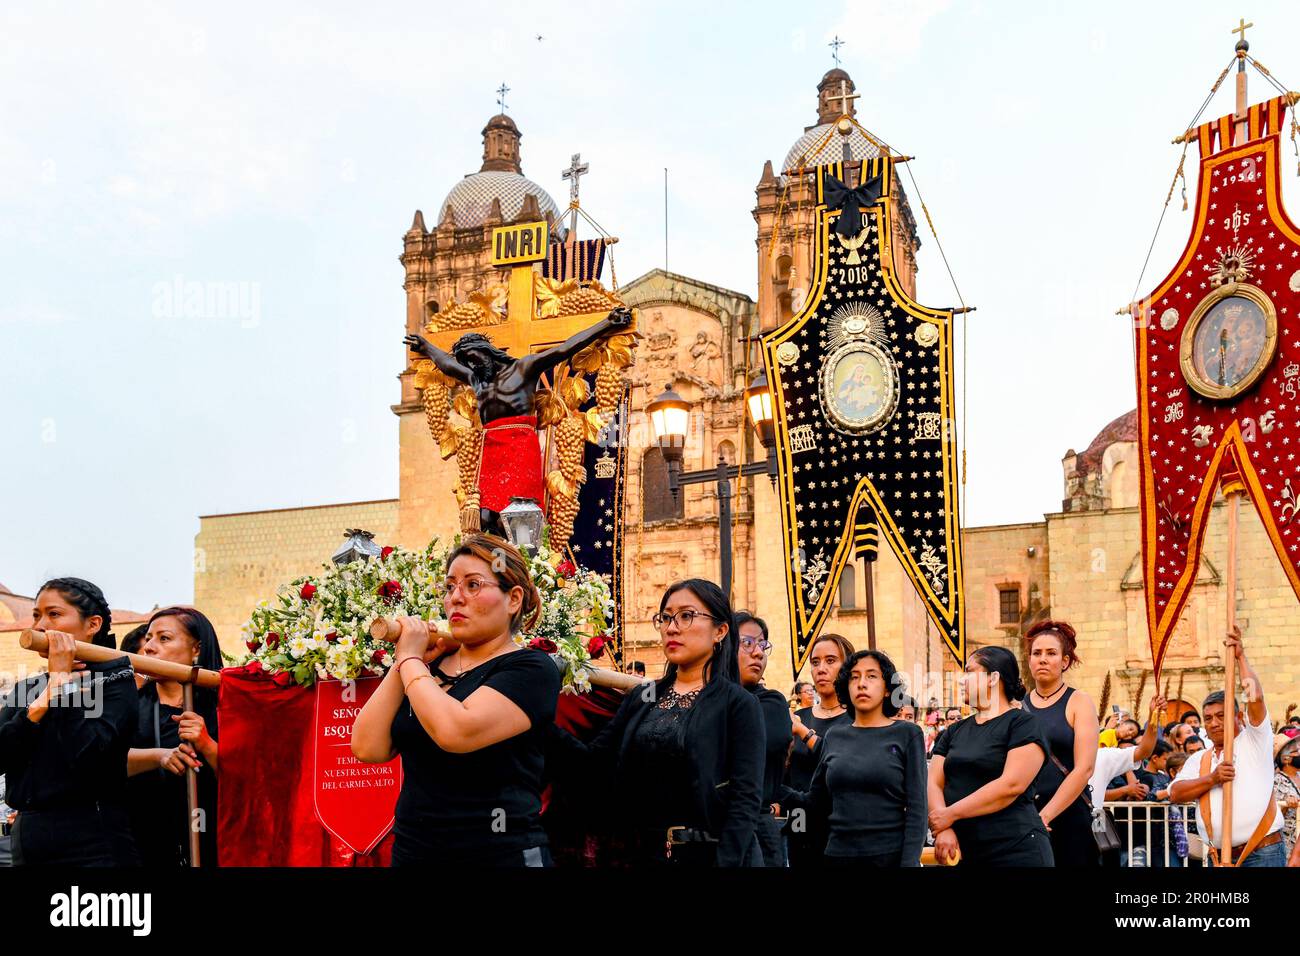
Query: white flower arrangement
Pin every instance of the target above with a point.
(318, 627)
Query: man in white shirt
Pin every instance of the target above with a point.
(1251, 772)
(1116, 761)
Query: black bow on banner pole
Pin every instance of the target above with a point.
(848, 201)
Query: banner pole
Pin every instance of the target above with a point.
(192, 787)
(1230, 677)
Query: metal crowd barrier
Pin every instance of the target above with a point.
(1148, 833)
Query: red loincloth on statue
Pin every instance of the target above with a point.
(266, 812)
(511, 463)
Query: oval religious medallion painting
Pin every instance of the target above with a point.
(1229, 341)
(859, 387)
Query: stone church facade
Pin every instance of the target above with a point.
(1079, 564)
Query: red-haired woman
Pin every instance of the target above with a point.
(471, 725)
(169, 740)
(1069, 721)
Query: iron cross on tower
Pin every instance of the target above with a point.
(835, 48)
(576, 170)
(501, 96)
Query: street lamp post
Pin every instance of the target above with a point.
(670, 417)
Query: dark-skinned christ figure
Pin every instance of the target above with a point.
(505, 389)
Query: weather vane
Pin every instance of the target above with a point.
(501, 96)
(835, 48)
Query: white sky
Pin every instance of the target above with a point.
(286, 146)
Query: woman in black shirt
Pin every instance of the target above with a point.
(982, 772)
(869, 786)
(64, 736)
(471, 725)
(685, 754)
(752, 661)
(1069, 721)
(807, 845)
(169, 740)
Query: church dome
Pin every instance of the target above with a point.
(1122, 429)
(806, 152)
(500, 178)
(471, 198)
(836, 95)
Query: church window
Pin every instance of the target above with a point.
(848, 587)
(1009, 605)
(657, 500)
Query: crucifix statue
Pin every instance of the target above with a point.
(505, 390)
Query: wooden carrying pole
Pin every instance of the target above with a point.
(390, 629)
(151, 666)
(1230, 678)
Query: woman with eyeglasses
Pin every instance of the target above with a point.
(869, 788)
(471, 724)
(752, 660)
(807, 844)
(684, 754)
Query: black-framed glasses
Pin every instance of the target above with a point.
(749, 643)
(684, 618)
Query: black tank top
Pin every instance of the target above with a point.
(1059, 733)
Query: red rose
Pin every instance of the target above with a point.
(253, 667)
(308, 592)
(596, 646)
(390, 591)
(385, 553)
(254, 644)
(544, 644)
(282, 679)
(273, 640)
(377, 656)
(567, 569)
(332, 637)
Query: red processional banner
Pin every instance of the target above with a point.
(1218, 368)
(267, 791)
(355, 801)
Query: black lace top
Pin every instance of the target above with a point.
(657, 757)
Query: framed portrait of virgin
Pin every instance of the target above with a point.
(859, 387)
(1229, 341)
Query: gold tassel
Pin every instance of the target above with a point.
(469, 518)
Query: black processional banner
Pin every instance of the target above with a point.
(597, 541)
(865, 416)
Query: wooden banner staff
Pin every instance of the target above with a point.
(390, 629)
(1234, 495)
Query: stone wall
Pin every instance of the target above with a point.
(242, 558)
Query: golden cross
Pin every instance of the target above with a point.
(1241, 27)
(523, 332)
(845, 98)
